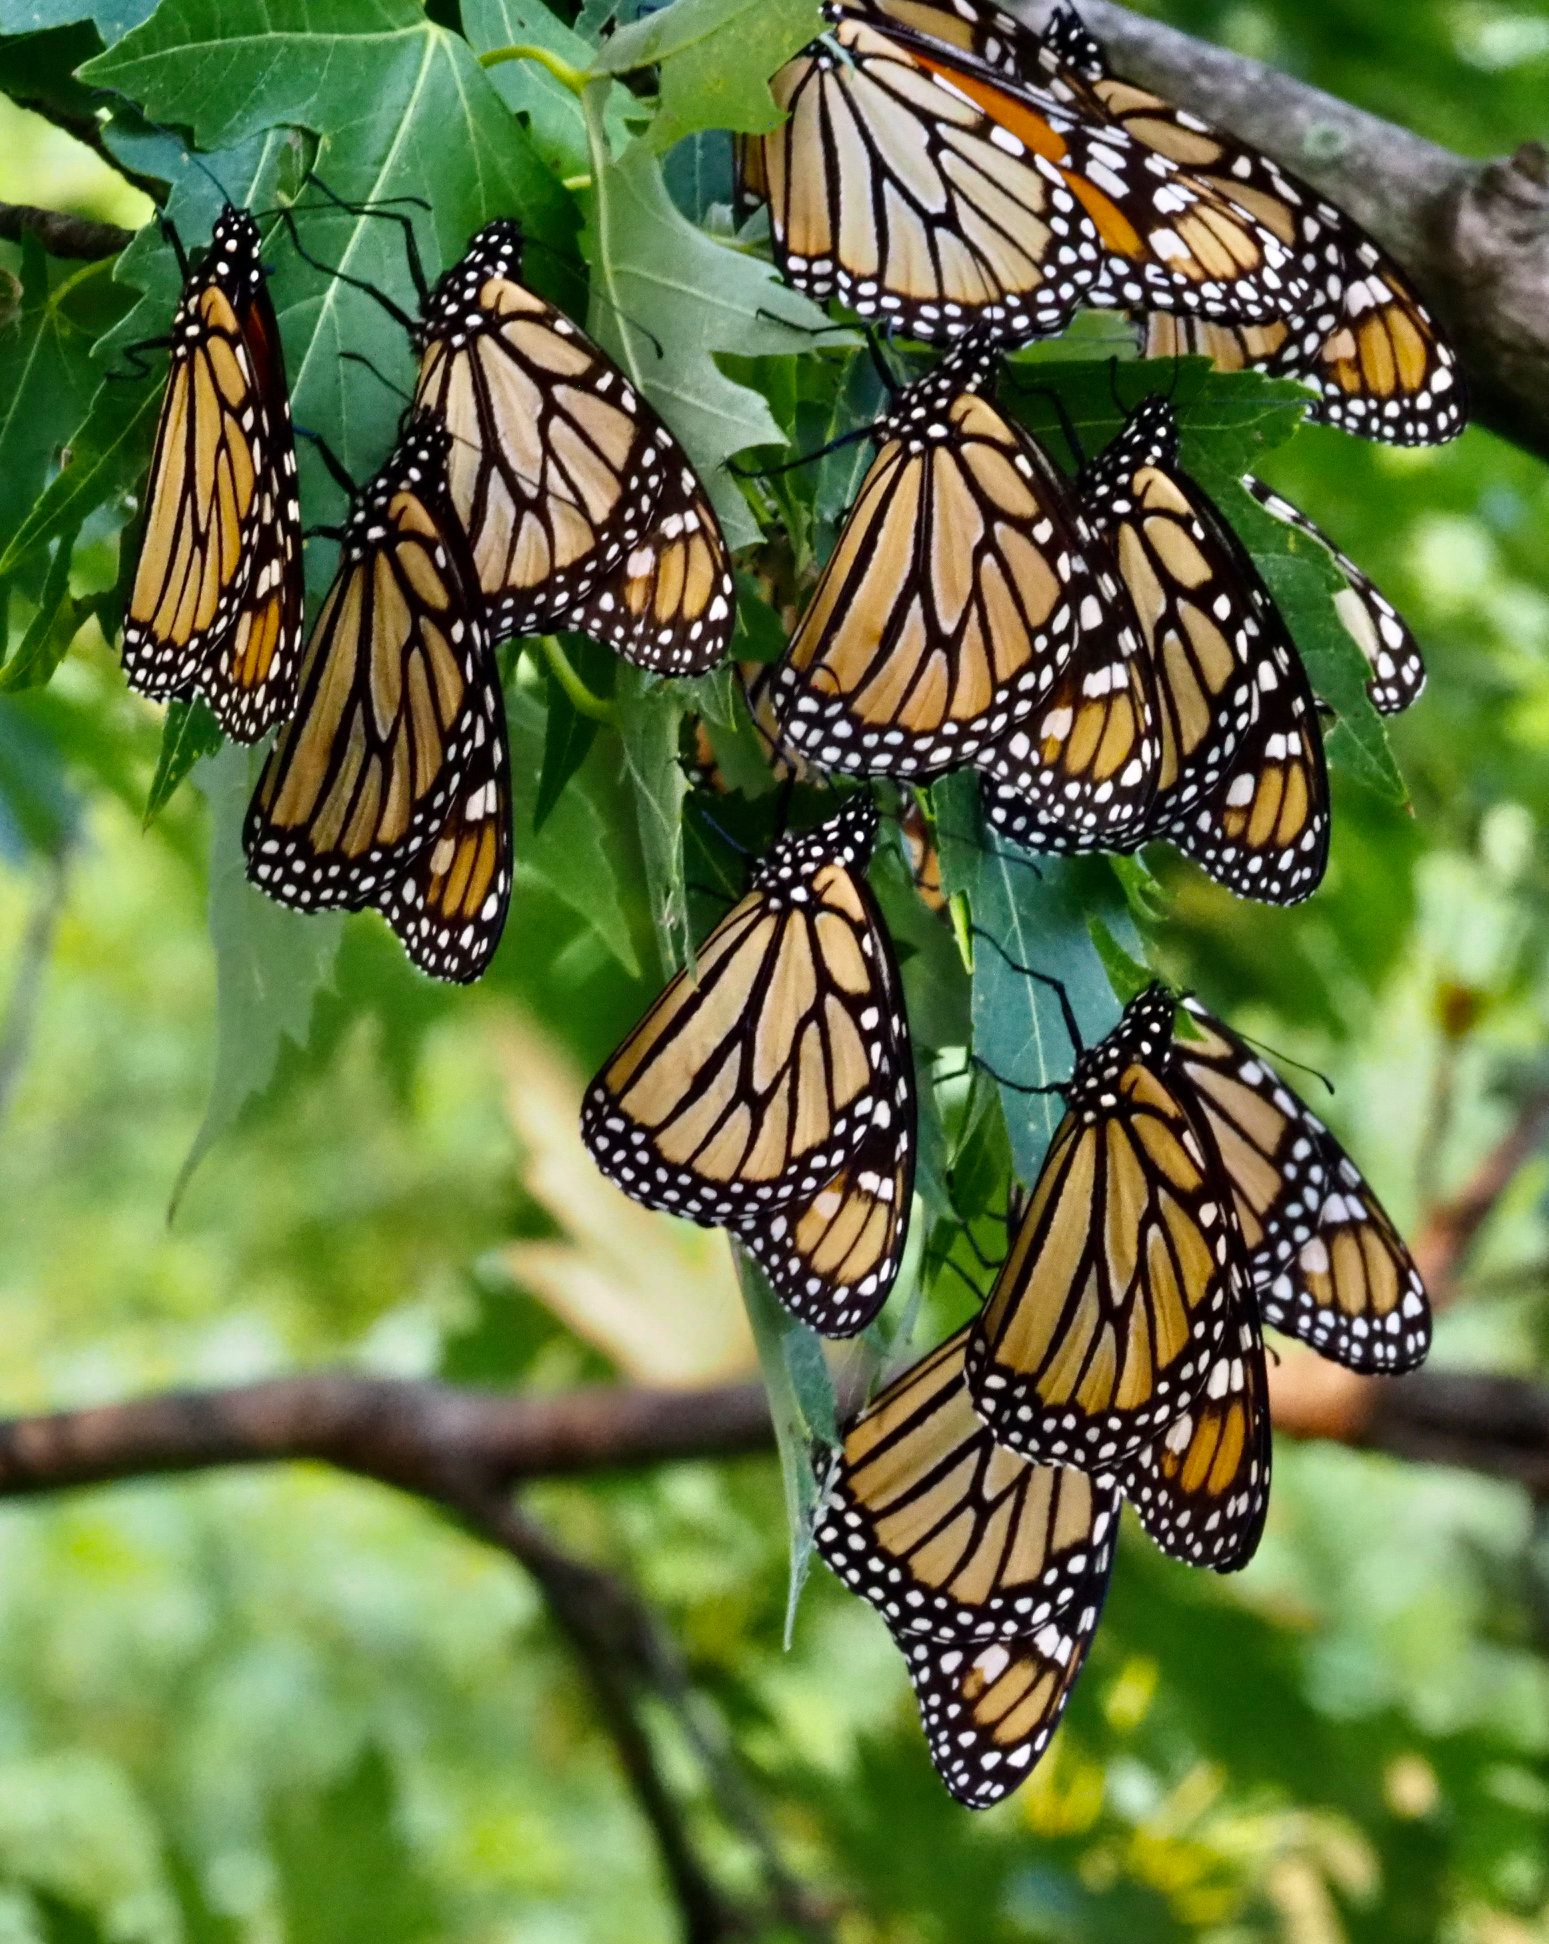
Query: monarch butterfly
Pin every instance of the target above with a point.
(1381, 366)
(1379, 630)
(1325, 1260)
(580, 507)
(957, 589)
(769, 1090)
(389, 786)
(1106, 1317)
(917, 183)
(990, 1571)
(217, 596)
(1238, 779)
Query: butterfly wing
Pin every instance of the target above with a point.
(954, 595)
(449, 907)
(1264, 833)
(1272, 1149)
(365, 773)
(1201, 1487)
(1378, 629)
(990, 1709)
(1102, 1321)
(1352, 1290)
(216, 599)
(669, 604)
(557, 462)
(752, 1079)
(945, 1532)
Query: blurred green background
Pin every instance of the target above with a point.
(285, 1706)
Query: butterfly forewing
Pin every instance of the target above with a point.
(1352, 1290)
(753, 1078)
(948, 1534)
(1377, 628)
(556, 461)
(216, 599)
(365, 773)
(953, 597)
(1271, 1147)
(1103, 1318)
(1201, 1486)
(989, 1709)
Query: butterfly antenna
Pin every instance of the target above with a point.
(395, 311)
(1057, 986)
(1062, 413)
(732, 843)
(1284, 1059)
(382, 207)
(337, 469)
(1056, 1087)
(169, 231)
(806, 459)
(944, 1260)
(583, 283)
(883, 369)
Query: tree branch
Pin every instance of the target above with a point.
(1473, 235)
(60, 234)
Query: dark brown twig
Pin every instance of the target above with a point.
(60, 234)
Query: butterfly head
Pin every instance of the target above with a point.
(233, 255)
(845, 840)
(1143, 1037)
(919, 414)
(455, 304)
(1148, 437)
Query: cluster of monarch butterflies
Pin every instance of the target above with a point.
(1187, 1199)
(1099, 646)
(531, 488)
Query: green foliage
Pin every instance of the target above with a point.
(286, 1706)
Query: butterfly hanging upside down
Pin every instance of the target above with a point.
(215, 607)
(770, 1089)
(390, 787)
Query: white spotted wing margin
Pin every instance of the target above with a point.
(989, 1709)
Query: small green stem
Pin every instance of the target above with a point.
(567, 76)
(962, 929)
(580, 697)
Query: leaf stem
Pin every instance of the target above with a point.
(580, 697)
(567, 76)
(962, 929)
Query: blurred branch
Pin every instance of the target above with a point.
(60, 234)
(1473, 235)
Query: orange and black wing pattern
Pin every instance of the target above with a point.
(1326, 1263)
(956, 592)
(580, 507)
(670, 603)
(1374, 624)
(216, 601)
(368, 770)
(1201, 1487)
(753, 1079)
(949, 1535)
(1106, 1314)
(918, 183)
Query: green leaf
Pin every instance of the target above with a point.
(552, 111)
(667, 298)
(570, 853)
(53, 626)
(651, 715)
(802, 1407)
(715, 57)
(1038, 913)
(46, 383)
(271, 964)
(111, 18)
(189, 734)
(567, 736)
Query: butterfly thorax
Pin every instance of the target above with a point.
(1148, 442)
(788, 874)
(1112, 1069)
(459, 306)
